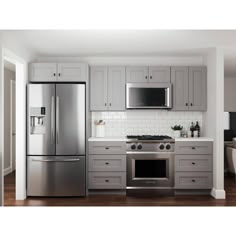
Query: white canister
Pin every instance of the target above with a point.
(195, 133)
(100, 130)
(177, 133)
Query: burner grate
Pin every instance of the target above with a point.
(148, 137)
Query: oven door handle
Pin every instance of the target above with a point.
(155, 153)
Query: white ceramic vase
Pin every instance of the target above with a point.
(177, 133)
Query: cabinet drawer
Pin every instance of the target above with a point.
(107, 180)
(193, 180)
(107, 163)
(103, 147)
(193, 162)
(194, 147)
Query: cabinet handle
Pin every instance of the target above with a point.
(193, 147)
(186, 104)
(59, 74)
(150, 77)
(107, 163)
(107, 180)
(106, 147)
(193, 163)
(54, 74)
(146, 77)
(193, 180)
(191, 104)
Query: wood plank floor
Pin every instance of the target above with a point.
(117, 200)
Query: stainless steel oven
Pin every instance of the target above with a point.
(148, 169)
(148, 96)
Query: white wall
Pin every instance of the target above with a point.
(230, 94)
(1, 127)
(8, 76)
(213, 119)
(156, 122)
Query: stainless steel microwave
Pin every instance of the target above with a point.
(148, 95)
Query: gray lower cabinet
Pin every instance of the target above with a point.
(107, 88)
(189, 88)
(107, 165)
(193, 165)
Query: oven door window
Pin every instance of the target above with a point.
(151, 168)
(147, 97)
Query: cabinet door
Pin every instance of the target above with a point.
(179, 79)
(116, 88)
(197, 88)
(72, 72)
(43, 72)
(135, 74)
(159, 74)
(98, 88)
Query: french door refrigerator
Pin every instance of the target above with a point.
(56, 139)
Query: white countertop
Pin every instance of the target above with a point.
(125, 139)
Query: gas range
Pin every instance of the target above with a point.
(150, 143)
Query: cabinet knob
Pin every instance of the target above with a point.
(59, 74)
(193, 147)
(146, 77)
(193, 180)
(191, 104)
(186, 104)
(193, 163)
(110, 104)
(107, 180)
(106, 147)
(54, 74)
(107, 163)
(150, 77)
(105, 104)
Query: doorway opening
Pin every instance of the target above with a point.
(9, 95)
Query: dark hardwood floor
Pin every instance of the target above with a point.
(118, 200)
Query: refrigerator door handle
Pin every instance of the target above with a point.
(52, 120)
(57, 120)
(66, 160)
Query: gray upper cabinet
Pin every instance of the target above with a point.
(107, 88)
(98, 88)
(58, 72)
(189, 88)
(72, 72)
(116, 88)
(179, 79)
(137, 74)
(43, 72)
(197, 88)
(159, 74)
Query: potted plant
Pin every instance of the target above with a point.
(177, 130)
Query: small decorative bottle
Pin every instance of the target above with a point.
(197, 128)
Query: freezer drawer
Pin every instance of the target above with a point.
(56, 176)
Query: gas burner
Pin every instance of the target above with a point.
(148, 137)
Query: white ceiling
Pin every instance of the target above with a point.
(127, 43)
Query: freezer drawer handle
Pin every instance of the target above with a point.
(68, 160)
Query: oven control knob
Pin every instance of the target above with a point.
(139, 146)
(168, 146)
(133, 146)
(161, 146)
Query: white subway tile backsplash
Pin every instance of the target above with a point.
(144, 122)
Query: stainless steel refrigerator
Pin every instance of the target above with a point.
(56, 139)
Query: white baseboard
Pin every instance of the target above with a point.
(7, 171)
(218, 193)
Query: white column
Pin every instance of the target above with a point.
(1, 129)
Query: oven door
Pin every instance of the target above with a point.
(152, 170)
(148, 96)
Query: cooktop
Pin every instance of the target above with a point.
(148, 137)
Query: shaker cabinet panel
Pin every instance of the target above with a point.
(159, 74)
(197, 88)
(179, 79)
(72, 72)
(98, 88)
(116, 88)
(40, 72)
(136, 74)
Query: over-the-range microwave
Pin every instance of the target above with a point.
(148, 95)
